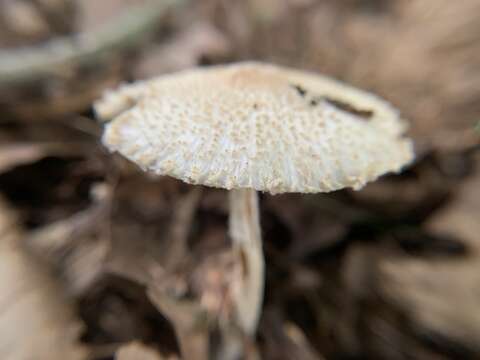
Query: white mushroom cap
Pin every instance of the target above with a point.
(254, 125)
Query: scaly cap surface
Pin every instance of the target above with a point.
(255, 125)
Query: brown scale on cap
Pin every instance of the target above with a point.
(339, 104)
(362, 113)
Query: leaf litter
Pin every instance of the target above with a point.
(123, 265)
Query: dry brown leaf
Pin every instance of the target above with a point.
(285, 340)
(37, 322)
(188, 320)
(21, 19)
(17, 154)
(186, 49)
(138, 351)
(439, 294)
(77, 246)
(93, 14)
(23, 23)
(460, 218)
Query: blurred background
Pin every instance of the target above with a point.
(388, 272)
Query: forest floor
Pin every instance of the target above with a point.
(391, 271)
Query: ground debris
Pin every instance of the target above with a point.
(37, 319)
(390, 271)
(429, 290)
(138, 351)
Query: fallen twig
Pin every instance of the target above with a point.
(37, 62)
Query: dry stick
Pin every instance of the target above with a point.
(187, 317)
(35, 63)
(188, 321)
(180, 227)
(246, 236)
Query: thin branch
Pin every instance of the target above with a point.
(34, 63)
(183, 215)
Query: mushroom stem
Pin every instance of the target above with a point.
(244, 227)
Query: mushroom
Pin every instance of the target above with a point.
(251, 127)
